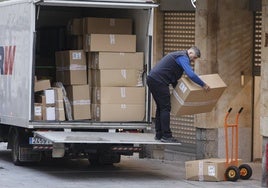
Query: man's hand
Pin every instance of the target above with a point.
(206, 87)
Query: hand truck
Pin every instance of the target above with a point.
(233, 172)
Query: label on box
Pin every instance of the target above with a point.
(211, 170)
(38, 110)
(77, 55)
(183, 87)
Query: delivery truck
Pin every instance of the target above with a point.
(39, 41)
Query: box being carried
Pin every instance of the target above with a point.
(189, 98)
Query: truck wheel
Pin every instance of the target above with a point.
(15, 149)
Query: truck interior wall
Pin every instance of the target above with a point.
(51, 24)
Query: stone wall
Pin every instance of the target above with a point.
(224, 30)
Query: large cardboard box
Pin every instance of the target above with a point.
(115, 78)
(189, 98)
(207, 169)
(116, 60)
(107, 25)
(118, 112)
(109, 43)
(118, 95)
(71, 67)
(79, 97)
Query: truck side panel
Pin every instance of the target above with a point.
(16, 49)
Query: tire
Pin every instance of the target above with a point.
(245, 171)
(232, 173)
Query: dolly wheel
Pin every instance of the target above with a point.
(232, 173)
(245, 171)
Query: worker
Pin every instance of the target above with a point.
(165, 73)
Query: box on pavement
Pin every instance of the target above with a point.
(207, 169)
(118, 112)
(71, 67)
(189, 98)
(107, 25)
(109, 43)
(115, 78)
(116, 60)
(118, 95)
(79, 97)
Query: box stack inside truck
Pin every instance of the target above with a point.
(100, 71)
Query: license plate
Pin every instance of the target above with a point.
(39, 141)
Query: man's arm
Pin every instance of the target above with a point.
(183, 61)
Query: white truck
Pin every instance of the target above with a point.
(29, 140)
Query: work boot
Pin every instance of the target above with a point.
(169, 140)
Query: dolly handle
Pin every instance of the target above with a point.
(241, 109)
(230, 109)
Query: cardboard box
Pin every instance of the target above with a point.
(120, 95)
(38, 115)
(118, 112)
(107, 25)
(40, 85)
(79, 97)
(75, 26)
(116, 60)
(71, 67)
(109, 43)
(115, 78)
(59, 104)
(207, 169)
(189, 98)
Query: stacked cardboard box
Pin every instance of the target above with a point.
(79, 97)
(72, 73)
(114, 69)
(45, 100)
(71, 67)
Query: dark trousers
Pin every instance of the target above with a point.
(161, 95)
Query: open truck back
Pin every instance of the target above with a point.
(36, 29)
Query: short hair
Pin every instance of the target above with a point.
(196, 51)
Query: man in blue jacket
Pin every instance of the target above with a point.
(168, 71)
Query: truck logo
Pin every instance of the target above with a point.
(7, 56)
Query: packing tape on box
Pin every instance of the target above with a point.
(112, 39)
(112, 22)
(200, 171)
(80, 102)
(203, 103)
(72, 67)
(123, 92)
